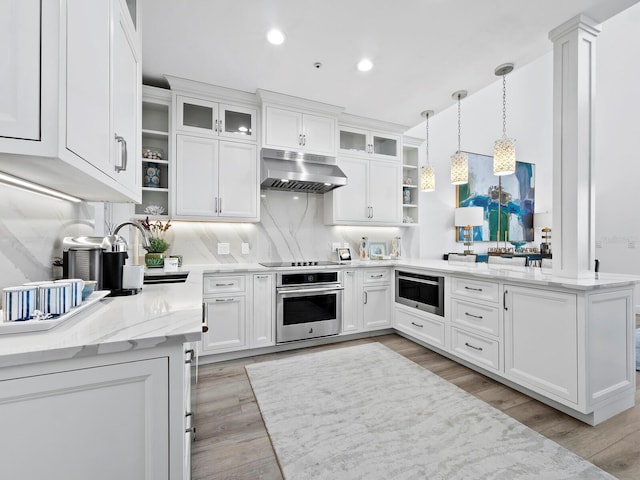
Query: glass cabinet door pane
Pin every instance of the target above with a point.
(353, 141)
(197, 116)
(237, 123)
(385, 146)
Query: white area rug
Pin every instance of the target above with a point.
(366, 412)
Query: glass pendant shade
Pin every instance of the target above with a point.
(459, 168)
(504, 156)
(427, 179)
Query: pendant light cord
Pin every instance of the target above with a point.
(427, 124)
(459, 122)
(504, 106)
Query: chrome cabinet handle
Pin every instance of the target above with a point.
(219, 204)
(376, 276)
(366, 298)
(262, 276)
(417, 325)
(219, 126)
(372, 215)
(473, 289)
(467, 344)
(224, 284)
(225, 299)
(123, 154)
(310, 290)
(504, 299)
(215, 204)
(215, 129)
(300, 139)
(479, 317)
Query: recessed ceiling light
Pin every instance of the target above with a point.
(365, 65)
(275, 37)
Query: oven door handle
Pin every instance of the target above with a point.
(419, 280)
(310, 290)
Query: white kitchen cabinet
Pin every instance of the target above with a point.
(541, 351)
(352, 320)
(372, 195)
(263, 316)
(289, 129)
(215, 179)
(376, 144)
(88, 58)
(206, 117)
(99, 422)
(411, 154)
(377, 307)
(126, 100)
(227, 321)
(20, 36)
(421, 325)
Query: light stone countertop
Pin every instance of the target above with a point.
(172, 313)
(160, 314)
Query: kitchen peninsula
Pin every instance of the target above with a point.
(105, 394)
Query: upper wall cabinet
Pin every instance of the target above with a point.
(197, 116)
(297, 124)
(214, 176)
(70, 101)
(375, 144)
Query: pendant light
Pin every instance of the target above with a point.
(504, 150)
(459, 160)
(427, 174)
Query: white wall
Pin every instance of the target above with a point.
(529, 121)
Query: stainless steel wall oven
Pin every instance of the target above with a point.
(308, 305)
(424, 292)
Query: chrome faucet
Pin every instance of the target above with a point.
(118, 244)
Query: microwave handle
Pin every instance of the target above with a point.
(419, 280)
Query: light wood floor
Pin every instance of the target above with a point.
(232, 442)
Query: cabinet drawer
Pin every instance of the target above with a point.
(381, 275)
(481, 318)
(223, 284)
(477, 289)
(476, 349)
(419, 326)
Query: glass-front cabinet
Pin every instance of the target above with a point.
(211, 118)
(354, 141)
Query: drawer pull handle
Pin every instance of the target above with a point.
(479, 317)
(224, 284)
(474, 289)
(504, 299)
(377, 276)
(224, 299)
(473, 346)
(417, 325)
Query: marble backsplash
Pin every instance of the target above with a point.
(31, 230)
(291, 228)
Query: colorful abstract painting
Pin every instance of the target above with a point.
(515, 193)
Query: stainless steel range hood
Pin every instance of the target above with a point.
(299, 172)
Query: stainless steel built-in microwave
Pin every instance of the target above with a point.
(424, 292)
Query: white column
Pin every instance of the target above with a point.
(573, 231)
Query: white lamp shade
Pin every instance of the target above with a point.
(542, 220)
(504, 156)
(473, 216)
(427, 179)
(459, 168)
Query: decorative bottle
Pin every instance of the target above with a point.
(396, 248)
(364, 248)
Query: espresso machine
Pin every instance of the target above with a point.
(98, 258)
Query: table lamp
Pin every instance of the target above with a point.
(467, 218)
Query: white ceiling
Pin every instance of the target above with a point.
(422, 50)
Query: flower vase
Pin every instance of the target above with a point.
(154, 260)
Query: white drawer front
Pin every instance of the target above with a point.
(427, 329)
(476, 349)
(477, 289)
(223, 284)
(481, 318)
(382, 275)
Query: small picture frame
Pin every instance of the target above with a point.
(377, 250)
(344, 254)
